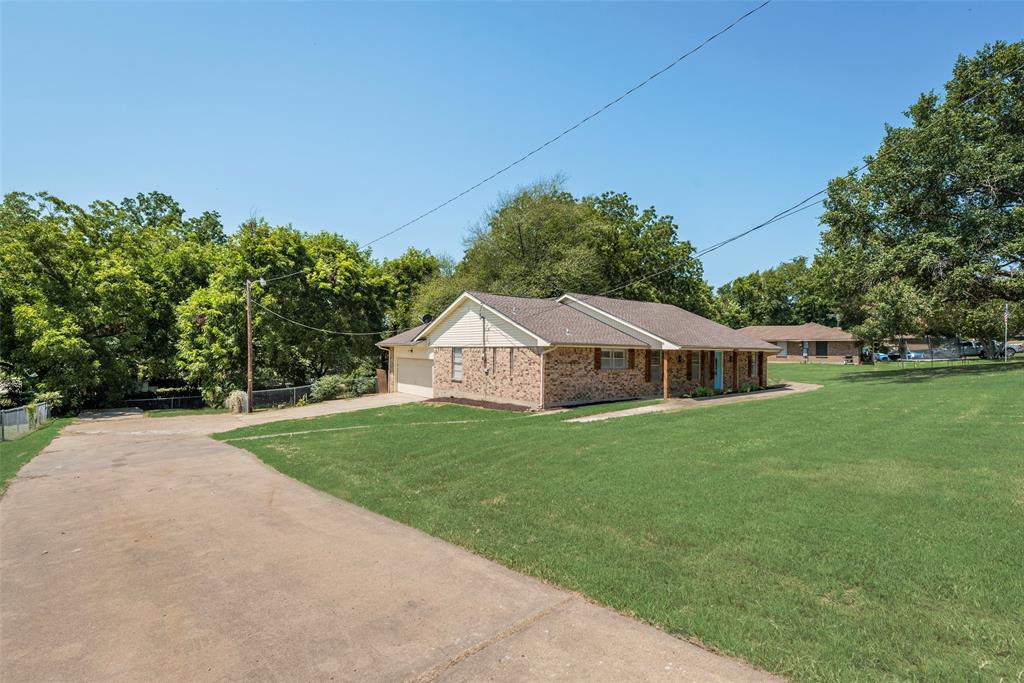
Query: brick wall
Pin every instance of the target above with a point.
(570, 378)
(518, 384)
(836, 352)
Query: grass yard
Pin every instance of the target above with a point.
(873, 529)
(14, 454)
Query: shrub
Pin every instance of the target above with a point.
(54, 398)
(747, 387)
(702, 391)
(235, 402)
(329, 387)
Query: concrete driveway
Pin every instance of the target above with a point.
(138, 549)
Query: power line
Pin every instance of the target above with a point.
(800, 206)
(571, 128)
(320, 329)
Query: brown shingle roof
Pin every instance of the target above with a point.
(805, 332)
(676, 325)
(557, 323)
(407, 337)
(561, 324)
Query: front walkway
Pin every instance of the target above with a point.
(673, 404)
(138, 549)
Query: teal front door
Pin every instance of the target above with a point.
(718, 370)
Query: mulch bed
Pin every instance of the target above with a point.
(479, 404)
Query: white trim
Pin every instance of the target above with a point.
(458, 301)
(665, 344)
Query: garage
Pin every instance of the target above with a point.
(413, 376)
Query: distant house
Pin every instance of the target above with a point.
(543, 353)
(817, 342)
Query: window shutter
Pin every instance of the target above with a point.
(597, 359)
(632, 358)
(750, 364)
(689, 365)
(647, 365)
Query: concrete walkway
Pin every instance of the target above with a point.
(674, 404)
(138, 549)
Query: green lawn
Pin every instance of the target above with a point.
(14, 454)
(873, 529)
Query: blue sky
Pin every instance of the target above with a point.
(355, 117)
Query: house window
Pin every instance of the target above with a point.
(613, 359)
(655, 361)
(457, 363)
(820, 348)
(695, 365)
(784, 346)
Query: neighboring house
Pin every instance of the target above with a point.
(543, 353)
(817, 342)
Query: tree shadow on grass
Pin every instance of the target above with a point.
(918, 375)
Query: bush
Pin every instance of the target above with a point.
(235, 402)
(54, 398)
(329, 387)
(702, 391)
(747, 387)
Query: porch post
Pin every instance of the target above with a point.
(735, 370)
(664, 373)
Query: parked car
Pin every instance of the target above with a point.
(881, 357)
(970, 349)
(1018, 347)
(1009, 351)
(914, 355)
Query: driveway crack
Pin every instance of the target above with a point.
(435, 672)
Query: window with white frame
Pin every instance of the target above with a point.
(613, 359)
(695, 365)
(655, 362)
(457, 363)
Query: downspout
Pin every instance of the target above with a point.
(543, 353)
(483, 350)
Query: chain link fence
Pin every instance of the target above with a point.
(168, 403)
(278, 398)
(944, 349)
(15, 422)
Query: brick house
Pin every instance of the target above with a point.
(822, 344)
(544, 353)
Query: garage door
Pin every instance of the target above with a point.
(414, 377)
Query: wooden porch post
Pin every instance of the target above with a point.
(735, 370)
(762, 369)
(664, 373)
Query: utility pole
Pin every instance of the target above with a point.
(248, 343)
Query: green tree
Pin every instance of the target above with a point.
(336, 287)
(941, 207)
(409, 274)
(789, 294)
(541, 242)
(87, 296)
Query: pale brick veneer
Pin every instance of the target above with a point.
(521, 386)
